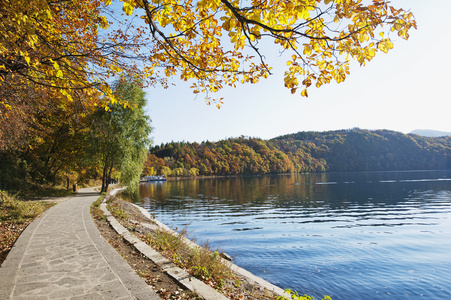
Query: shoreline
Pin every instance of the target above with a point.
(177, 178)
(251, 277)
(253, 282)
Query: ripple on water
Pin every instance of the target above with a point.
(385, 236)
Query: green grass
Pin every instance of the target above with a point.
(15, 215)
(204, 263)
(39, 191)
(96, 212)
(18, 211)
(117, 211)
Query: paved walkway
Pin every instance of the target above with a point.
(61, 255)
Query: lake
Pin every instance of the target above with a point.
(372, 235)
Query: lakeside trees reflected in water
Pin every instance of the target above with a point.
(350, 235)
(336, 190)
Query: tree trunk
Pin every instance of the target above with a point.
(108, 178)
(104, 187)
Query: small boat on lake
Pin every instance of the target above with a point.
(153, 178)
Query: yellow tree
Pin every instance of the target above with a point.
(57, 47)
(66, 46)
(57, 54)
(209, 40)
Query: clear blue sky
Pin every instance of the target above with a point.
(406, 89)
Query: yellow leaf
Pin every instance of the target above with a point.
(49, 14)
(128, 8)
(304, 93)
(287, 78)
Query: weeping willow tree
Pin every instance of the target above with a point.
(120, 135)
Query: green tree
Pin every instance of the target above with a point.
(120, 135)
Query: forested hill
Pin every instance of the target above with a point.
(364, 150)
(343, 150)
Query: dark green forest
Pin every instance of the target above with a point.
(303, 152)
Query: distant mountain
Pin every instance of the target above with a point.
(430, 133)
(342, 150)
(372, 150)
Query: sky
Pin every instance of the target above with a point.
(403, 90)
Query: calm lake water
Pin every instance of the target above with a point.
(382, 235)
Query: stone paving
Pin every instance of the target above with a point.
(61, 255)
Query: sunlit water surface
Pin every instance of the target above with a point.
(384, 235)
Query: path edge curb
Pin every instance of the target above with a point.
(243, 272)
(184, 278)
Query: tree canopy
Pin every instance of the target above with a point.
(319, 36)
(66, 46)
(119, 137)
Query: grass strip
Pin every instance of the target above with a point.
(15, 215)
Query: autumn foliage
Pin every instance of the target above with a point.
(66, 46)
(219, 43)
(58, 60)
(303, 152)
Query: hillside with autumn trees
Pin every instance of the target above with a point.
(302, 152)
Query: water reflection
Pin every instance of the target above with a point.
(352, 235)
(302, 191)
